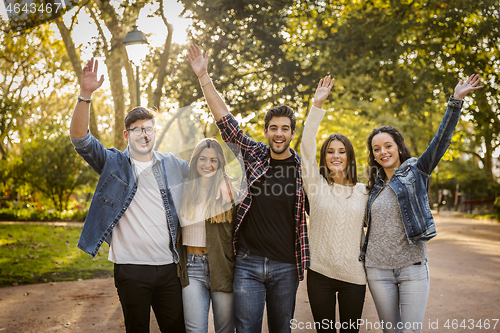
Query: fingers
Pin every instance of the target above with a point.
(473, 80)
(89, 67)
(327, 82)
(194, 51)
(331, 84)
(96, 66)
(476, 80)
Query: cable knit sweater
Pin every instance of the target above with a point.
(337, 215)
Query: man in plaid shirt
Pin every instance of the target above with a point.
(270, 227)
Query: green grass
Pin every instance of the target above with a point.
(37, 254)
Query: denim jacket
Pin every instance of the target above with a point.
(410, 182)
(117, 186)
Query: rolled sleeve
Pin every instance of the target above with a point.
(80, 143)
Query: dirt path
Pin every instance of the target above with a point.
(465, 285)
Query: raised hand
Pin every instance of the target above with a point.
(89, 78)
(323, 90)
(199, 63)
(462, 89)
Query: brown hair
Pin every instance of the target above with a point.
(280, 111)
(351, 171)
(138, 113)
(191, 192)
(374, 167)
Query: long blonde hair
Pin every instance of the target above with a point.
(191, 194)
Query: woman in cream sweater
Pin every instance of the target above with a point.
(337, 208)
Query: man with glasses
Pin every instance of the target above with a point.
(132, 210)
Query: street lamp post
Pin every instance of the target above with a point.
(136, 45)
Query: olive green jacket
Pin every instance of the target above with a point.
(221, 257)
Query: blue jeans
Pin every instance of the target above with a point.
(260, 280)
(400, 296)
(196, 299)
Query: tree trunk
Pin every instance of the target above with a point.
(487, 134)
(114, 63)
(116, 60)
(162, 68)
(77, 66)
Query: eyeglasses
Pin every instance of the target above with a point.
(138, 130)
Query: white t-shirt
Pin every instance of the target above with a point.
(142, 235)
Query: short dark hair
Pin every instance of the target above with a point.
(280, 111)
(374, 167)
(138, 113)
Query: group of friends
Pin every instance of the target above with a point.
(183, 238)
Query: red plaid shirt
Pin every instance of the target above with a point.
(257, 159)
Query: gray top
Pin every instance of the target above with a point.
(388, 246)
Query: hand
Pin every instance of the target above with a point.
(324, 87)
(225, 190)
(89, 79)
(199, 63)
(462, 89)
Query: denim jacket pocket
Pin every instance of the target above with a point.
(406, 177)
(112, 190)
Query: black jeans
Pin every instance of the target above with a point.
(141, 287)
(322, 292)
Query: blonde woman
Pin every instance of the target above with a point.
(206, 265)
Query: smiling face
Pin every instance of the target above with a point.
(386, 151)
(207, 163)
(141, 146)
(279, 135)
(336, 158)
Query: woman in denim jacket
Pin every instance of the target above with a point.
(399, 218)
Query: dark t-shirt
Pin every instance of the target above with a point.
(268, 229)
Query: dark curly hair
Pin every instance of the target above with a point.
(374, 167)
(351, 172)
(280, 111)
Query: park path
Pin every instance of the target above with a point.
(465, 291)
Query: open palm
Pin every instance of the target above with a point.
(89, 77)
(324, 87)
(462, 89)
(199, 63)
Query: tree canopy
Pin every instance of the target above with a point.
(395, 63)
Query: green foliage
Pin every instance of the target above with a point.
(35, 254)
(27, 214)
(51, 167)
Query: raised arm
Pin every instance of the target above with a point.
(308, 146)
(441, 141)
(80, 121)
(199, 64)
